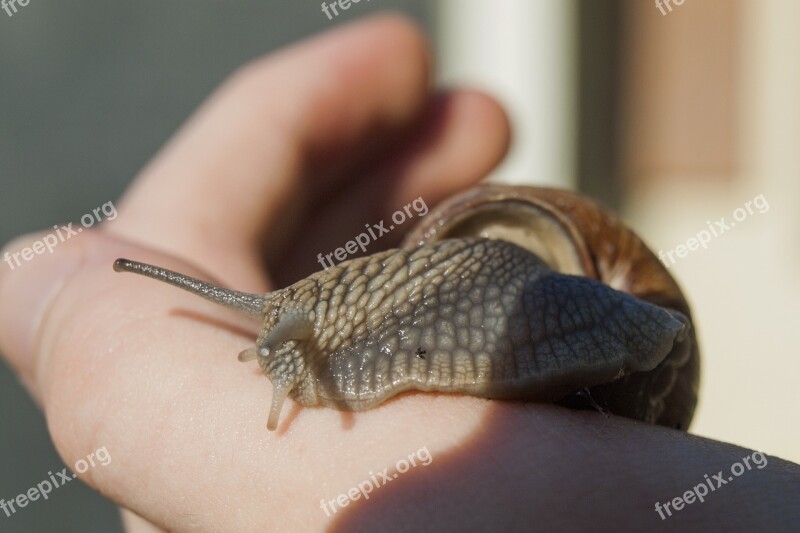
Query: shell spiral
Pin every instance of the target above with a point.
(575, 235)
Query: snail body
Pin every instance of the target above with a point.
(459, 309)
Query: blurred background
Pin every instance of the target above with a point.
(674, 115)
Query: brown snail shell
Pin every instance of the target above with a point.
(578, 236)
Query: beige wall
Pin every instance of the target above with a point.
(690, 161)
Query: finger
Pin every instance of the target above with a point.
(134, 523)
(463, 135)
(469, 139)
(26, 291)
(241, 156)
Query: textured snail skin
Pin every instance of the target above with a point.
(605, 250)
(470, 315)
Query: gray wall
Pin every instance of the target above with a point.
(90, 89)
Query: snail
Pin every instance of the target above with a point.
(516, 293)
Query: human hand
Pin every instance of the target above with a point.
(290, 158)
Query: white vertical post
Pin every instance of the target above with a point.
(771, 114)
(524, 53)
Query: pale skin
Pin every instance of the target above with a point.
(298, 151)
